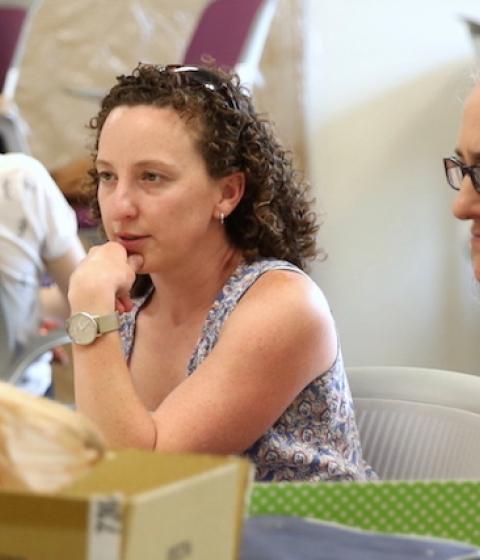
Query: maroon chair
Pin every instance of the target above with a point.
(233, 33)
(15, 19)
(11, 23)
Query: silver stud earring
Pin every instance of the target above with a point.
(221, 217)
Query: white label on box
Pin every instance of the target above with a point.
(104, 528)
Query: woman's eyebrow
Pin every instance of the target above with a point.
(155, 163)
(474, 156)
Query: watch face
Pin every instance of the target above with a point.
(82, 328)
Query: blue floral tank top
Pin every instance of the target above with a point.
(316, 438)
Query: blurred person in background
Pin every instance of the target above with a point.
(38, 240)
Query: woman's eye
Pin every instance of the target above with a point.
(105, 176)
(152, 177)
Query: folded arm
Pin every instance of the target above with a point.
(278, 339)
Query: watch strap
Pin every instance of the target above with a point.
(107, 323)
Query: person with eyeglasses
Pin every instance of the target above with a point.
(195, 327)
(463, 173)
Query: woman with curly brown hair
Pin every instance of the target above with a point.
(195, 328)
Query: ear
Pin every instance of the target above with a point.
(232, 188)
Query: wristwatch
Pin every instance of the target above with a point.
(84, 328)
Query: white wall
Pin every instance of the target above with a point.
(385, 81)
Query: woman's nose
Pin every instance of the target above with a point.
(124, 201)
(466, 205)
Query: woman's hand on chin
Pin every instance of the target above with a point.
(102, 281)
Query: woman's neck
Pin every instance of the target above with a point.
(191, 289)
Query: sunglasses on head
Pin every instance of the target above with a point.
(205, 78)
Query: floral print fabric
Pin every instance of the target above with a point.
(316, 438)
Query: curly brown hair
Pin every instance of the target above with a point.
(274, 217)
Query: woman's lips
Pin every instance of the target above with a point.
(475, 242)
(132, 243)
(475, 238)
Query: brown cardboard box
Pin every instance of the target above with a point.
(133, 505)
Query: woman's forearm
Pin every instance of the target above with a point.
(104, 393)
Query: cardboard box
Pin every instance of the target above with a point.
(442, 509)
(133, 505)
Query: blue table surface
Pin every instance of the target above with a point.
(294, 538)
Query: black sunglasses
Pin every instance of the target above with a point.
(455, 171)
(206, 79)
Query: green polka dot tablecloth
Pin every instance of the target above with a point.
(444, 509)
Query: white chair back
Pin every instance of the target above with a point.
(417, 423)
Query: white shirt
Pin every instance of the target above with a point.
(36, 225)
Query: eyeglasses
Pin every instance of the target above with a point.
(455, 171)
(206, 79)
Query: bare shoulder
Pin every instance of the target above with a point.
(290, 293)
(287, 311)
